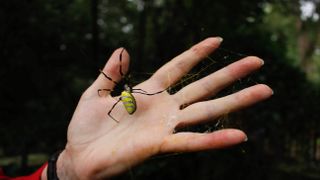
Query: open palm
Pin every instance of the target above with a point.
(98, 147)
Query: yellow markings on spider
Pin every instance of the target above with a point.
(128, 101)
(126, 96)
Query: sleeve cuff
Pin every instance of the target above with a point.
(34, 176)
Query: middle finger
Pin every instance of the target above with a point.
(212, 84)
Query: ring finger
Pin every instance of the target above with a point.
(203, 111)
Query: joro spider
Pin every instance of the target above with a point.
(127, 98)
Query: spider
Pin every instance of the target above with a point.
(127, 98)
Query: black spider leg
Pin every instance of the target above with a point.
(114, 105)
(139, 90)
(120, 67)
(116, 83)
(109, 78)
(146, 93)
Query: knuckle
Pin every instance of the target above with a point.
(244, 96)
(204, 48)
(206, 88)
(209, 112)
(198, 51)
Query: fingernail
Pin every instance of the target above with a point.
(220, 39)
(262, 62)
(245, 139)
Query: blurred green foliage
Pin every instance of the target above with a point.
(50, 51)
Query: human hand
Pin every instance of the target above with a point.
(98, 147)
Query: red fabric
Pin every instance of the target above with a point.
(35, 176)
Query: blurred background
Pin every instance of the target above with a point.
(50, 51)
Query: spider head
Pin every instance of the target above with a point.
(127, 88)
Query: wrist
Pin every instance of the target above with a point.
(64, 167)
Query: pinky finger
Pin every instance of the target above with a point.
(190, 142)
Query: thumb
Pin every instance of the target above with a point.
(114, 70)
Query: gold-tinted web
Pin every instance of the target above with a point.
(213, 62)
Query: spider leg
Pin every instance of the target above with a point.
(139, 90)
(109, 113)
(108, 90)
(146, 93)
(105, 75)
(120, 67)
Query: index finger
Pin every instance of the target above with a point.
(175, 69)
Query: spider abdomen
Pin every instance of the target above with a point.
(128, 101)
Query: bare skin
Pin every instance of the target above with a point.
(99, 148)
